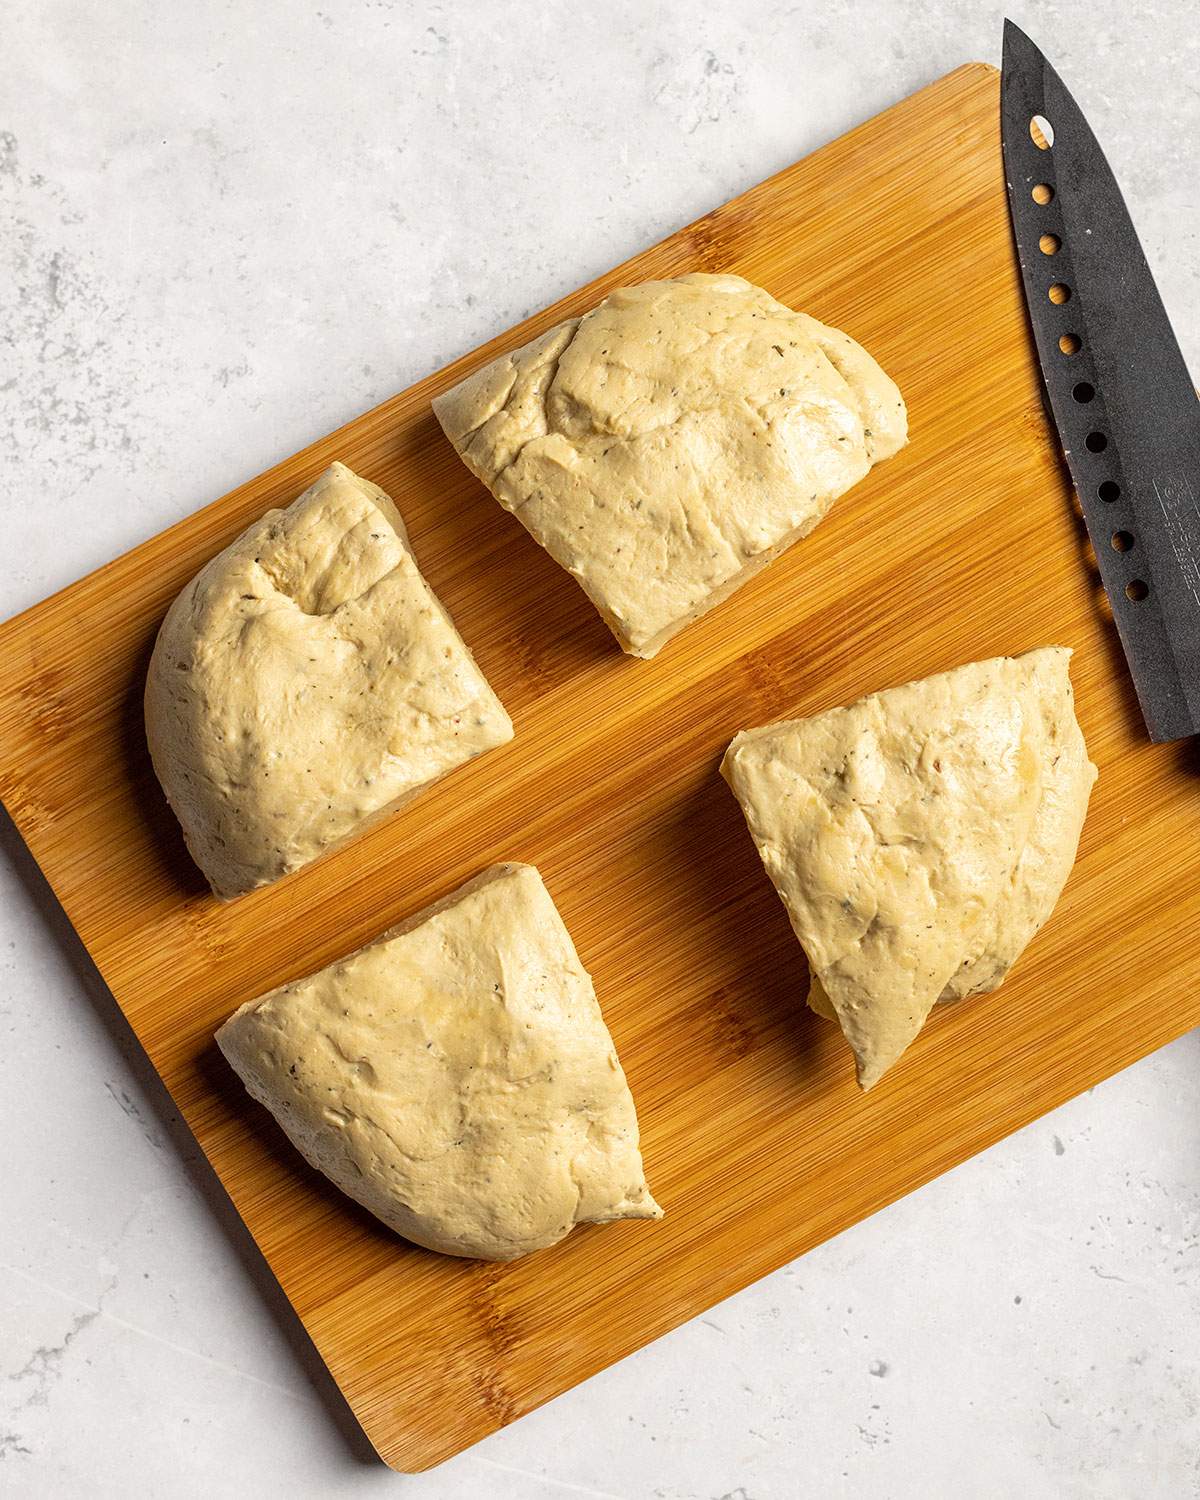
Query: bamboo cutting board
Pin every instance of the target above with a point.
(755, 1137)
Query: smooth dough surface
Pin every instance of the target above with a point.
(305, 682)
(674, 440)
(920, 837)
(455, 1076)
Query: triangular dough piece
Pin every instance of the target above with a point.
(455, 1076)
(674, 440)
(305, 682)
(919, 838)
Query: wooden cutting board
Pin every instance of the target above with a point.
(756, 1139)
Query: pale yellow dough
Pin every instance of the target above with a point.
(674, 440)
(305, 682)
(919, 838)
(455, 1076)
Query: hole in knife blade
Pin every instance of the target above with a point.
(1059, 293)
(1122, 541)
(1049, 244)
(1042, 132)
(1084, 392)
(1110, 490)
(1069, 344)
(1042, 193)
(1095, 442)
(1136, 590)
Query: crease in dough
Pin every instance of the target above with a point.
(919, 838)
(674, 440)
(455, 1076)
(306, 682)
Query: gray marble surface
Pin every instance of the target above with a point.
(226, 228)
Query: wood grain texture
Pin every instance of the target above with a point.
(756, 1139)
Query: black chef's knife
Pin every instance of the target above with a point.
(1123, 402)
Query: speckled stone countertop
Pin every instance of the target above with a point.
(226, 228)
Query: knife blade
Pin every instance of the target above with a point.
(1126, 411)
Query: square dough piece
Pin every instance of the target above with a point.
(673, 441)
(455, 1076)
(306, 682)
(919, 838)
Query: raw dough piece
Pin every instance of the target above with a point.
(307, 681)
(455, 1076)
(673, 441)
(919, 838)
